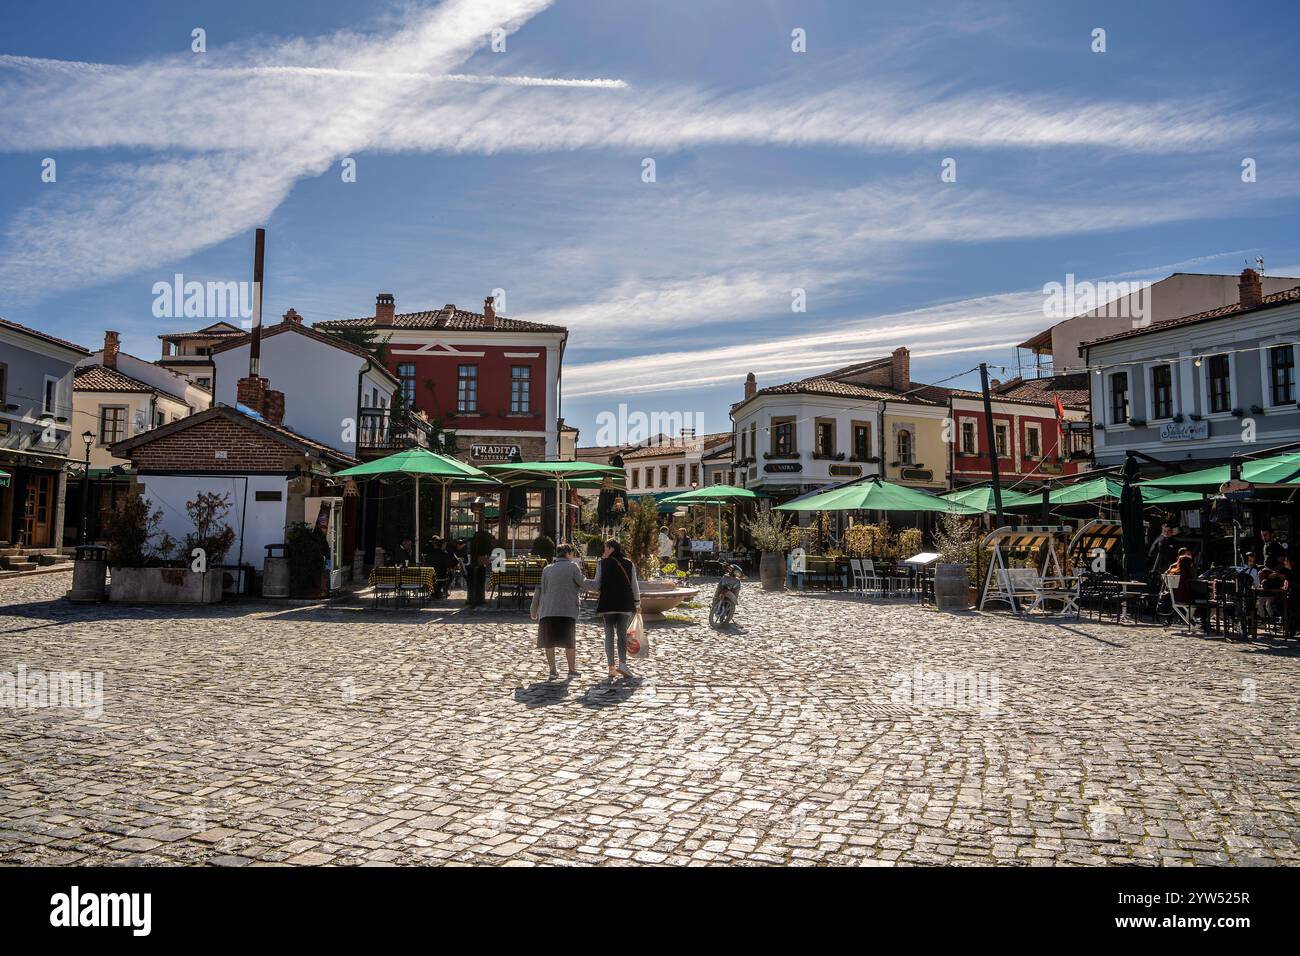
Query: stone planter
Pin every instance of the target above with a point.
(659, 595)
(951, 584)
(165, 586)
(771, 571)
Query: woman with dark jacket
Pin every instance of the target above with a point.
(683, 548)
(620, 598)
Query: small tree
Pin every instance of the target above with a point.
(640, 535)
(211, 533)
(767, 530)
(305, 548)
(908, 542)
(131, 529)
(957, 540)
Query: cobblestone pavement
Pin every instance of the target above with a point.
(261, 734)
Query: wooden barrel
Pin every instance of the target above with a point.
(771, 571)
(950, 583)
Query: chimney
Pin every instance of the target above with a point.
(1252, 294)
(900, 369)
(490, 312)
(112, 345)
(251, 393)
(994, 383)
(751, 386)
(273, 407)
(384, 308)
(293, 316)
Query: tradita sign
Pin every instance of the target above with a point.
(494, 452)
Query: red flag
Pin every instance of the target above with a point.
(1060, 424)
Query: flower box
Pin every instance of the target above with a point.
(165, 586)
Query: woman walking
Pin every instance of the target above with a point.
(620, 598)
(555, 608)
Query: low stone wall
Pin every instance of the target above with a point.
(164, 586)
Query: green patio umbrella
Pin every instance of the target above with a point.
(713, 495)
(1160, 496)
(565, 474)
(420, 463)
(1086, 492)
(876, 495)
(1274, 470)
(982, 498)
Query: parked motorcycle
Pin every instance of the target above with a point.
(726, 595)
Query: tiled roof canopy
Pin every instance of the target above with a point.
(452, 319)
(101, 378)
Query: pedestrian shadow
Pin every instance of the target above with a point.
(545, 693)
(604, 694)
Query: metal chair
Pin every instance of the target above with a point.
(386, 584)
(411, 583)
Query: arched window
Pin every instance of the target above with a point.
(904, 441)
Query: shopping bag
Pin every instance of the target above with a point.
(638, 642)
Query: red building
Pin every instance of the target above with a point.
(1036, 440)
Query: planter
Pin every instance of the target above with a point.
(659, 595)
(951, 584)
(771, 571)
(165, 586)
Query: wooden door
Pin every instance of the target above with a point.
(38, 513)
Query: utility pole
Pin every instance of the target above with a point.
(992, 443)
(255, 346)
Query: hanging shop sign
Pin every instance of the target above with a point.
(1184, 431)
(782, 467)
(845, 471)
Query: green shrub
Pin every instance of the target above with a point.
(305, 548)
(767, 530)
(211, 533)
(131, 529)
(544, 547)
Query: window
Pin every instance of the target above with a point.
(4, 385)
(203, 382)
(1220, 382)
(467, 388)
(1162, 391)
(1033, 442)
(903, 440)
(51, 397)
(968, 433)
(636, 478)
(681, 475)
(520, 379)
(649, 477)
(695, 474)
(753, 440)
(825, 437)
(717, 477)
(1282, 375)
(861, 441)
(783, 436)
(1119, 398)
(663, 476)
(744, 436)
(1000, 441)
(159, 419)
(112, 424)
(406, 374)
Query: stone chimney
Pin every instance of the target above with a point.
(490, 312)
(751, 386)
(273, 407)
(293, 316)
(112, 345)
(1249, 288)
(384, 308)
(900, 369)
(251, 393)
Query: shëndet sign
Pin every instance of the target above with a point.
(494, 452)
(1184, 431)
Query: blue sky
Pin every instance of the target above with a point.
(775, 170)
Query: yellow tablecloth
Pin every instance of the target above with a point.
(428, 576)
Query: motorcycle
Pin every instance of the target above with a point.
(726, 596)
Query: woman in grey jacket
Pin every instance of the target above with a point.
(555, 608)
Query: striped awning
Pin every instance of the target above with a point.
(1024, 540)
(1100, 533)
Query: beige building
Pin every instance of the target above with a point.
(190, 353)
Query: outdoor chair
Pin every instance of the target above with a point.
(386, 584)
(1025, 587)
(1182, 611)
(864, 575)
(411, 584)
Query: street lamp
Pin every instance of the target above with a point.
(88, 437)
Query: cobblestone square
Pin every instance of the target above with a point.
(824, 730)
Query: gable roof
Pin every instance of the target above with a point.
(44, 336)
(215, 330)
(448, 317)
(1071, 388)
(246, 338)
(101, 378)
(1285, 297)
(280, 433)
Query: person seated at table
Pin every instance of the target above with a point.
(405, 552)
(441, 562)
(1252, 568)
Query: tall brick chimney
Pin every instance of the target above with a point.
(112, 345)
(751, 386)
(293, 316)
(1249, 288)
(273, 407)
(490, 312)
(384, 308)
(900, 369)
(251, 393)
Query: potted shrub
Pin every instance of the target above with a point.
(955, 585)
(544, 547)
(767, 530)
(305, 550)
(143, 569)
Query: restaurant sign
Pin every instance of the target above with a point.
(1184, 431)
(782, 467)
(494, 452)
(845, 471)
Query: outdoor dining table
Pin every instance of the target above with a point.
(1125, 591)
(520, 579)
(428, 575)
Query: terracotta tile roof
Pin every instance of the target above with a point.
(1285, 297)
(54, 340)
(273, 330)
(218, 330)
(101, 378)
(449, 318)
(1072, 388)
(287, 435)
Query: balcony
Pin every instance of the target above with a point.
(383, 430)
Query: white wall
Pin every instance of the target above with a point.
(263, 522)
(319, 383)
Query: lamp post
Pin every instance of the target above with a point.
(88, 437)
